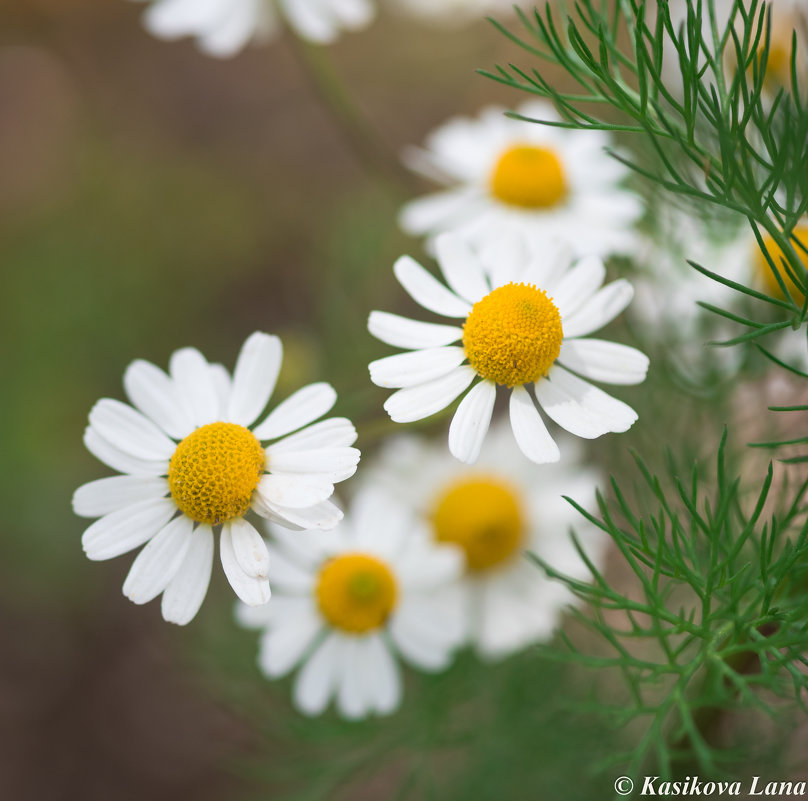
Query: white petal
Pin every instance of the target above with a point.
(253, 591)
(309, 21)
(154, 394)
(414, 644)
(401, 332)
(604, 361)
(254, 378)
(426, 290)
(186, 591)
(336, 463)
(324, 515)
(298, 410)
(335, 432)
(232, 32)
(529, 430)
(283, 647)
(578, 285)
(249, 548)
(438, 210)
(287, 575)
(579, 407)
(317, 679)
(295, 491)
(461, 267)
(118, 460)
(415, 403)
(195, 385)
(415, 367)
(107, 495)
(353, 689)
(385, 687)
(159, 561)
(128, 528)
(602, 308)
(470, 422)
(130, 431)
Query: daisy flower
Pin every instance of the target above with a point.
(223, 27)
(525, 327)
(506, 175)
(495, 512)
(347, 603)
(192, 461)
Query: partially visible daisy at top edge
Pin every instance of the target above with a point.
(526, 316)
(348, 603)
(194, 459)
(223, 27)
(495, 512)
(502, 175)
(453, 12)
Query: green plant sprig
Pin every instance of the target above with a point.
(715, 619)
(720, 139)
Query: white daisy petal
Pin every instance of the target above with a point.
(581, 408)
(118, 460)
(155, 395)
(294, 490)
(437, 211)
(604, 361)
(298, 410)
(284, 646)
(461, 267)
(130, 431)
(415, 403)
(352, 689)
(107, 495)
(427, 291)
(195, 385)
(415, 367)
(415, 646)
(253, 591)
(249, 548)
(185, 592)
(159, 561)
(326, 461)
(223, 385)
(529, 430)
(599, 310)
(401, 332)
(257, 368)
(385, 686)
(470, 422)
(127, 528)
(578, 285)
(335, 432)
(318, 678)
(286, 575)
(324, 515)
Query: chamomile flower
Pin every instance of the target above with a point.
(223, 27)
(348, 602)
(504, 175)
(193, 460)
(526, 322)
(495, 512)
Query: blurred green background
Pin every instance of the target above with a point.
(153, 198)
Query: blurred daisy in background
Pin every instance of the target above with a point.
(494, 512)
(223, 27)
(348, 601)
(191, 462)
(526, 317)
(503, 175)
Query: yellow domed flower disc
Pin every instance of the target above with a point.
(529, 176)
(484, 517)
(513, 335)
(214, 472)
(801, 235)
(356, 592)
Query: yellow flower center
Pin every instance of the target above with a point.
(529, 176)
(513, 335)
(356, 593)
(776, 254)
(484, 517)
(214, 471)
